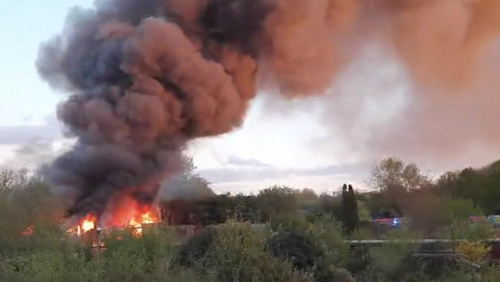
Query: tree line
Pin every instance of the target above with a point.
(400, 189)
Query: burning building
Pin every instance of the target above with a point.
(129, 214)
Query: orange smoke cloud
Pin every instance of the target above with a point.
(442, 41)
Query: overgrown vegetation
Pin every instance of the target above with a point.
(280, 234)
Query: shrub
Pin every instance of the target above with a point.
(331, 273)
(317, 247)
(148, 258)
(238, 253)
(194, 250)
(474, 251)
(295, 247)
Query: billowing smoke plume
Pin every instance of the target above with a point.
(148, 76)
(145, 77)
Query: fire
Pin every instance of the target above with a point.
(85, 225)
(28, 231)
(125, 213)
(88, 225)
(143, 215)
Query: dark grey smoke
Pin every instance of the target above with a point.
(145, 77)
(191, 188)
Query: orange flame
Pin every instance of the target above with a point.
(87, 224)
(28, 231)
(147, 216)
(127, 214)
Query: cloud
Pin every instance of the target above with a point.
(248, 176)
(267, 172)
(27, 133)
(320, 184)
(31, 145)
(237, 161)
(15, 135)
(35, 153)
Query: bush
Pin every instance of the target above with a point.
(148, 258)
(298, 248)
(60, 260)
(333, 274)
(194, 250)
(316, 247)
(238, 253)
(474, 251)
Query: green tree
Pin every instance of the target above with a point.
(479, 185)
(364, 213)
(277, 200)
(489, 200)
(393, 173)
(188, 185)
(394, 179)
(330, 205)
(307, 197)
(349, 207)
(246, 208)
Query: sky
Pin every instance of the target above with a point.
(280, 143)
